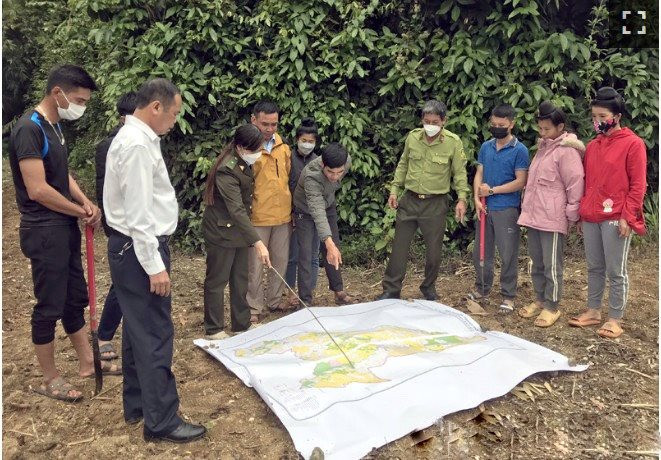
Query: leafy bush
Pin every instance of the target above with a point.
(361, 68)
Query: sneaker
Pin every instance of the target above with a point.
(217, 336)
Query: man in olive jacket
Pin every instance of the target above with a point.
(433, 161)
(314, 197)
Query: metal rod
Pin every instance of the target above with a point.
(315, 316)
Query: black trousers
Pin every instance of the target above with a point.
(111, 316)
(147, 340)
(306, 232)
(57, 276)
(226, 265)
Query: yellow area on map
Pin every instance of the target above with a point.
(366, 350)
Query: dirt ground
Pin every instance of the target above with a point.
(609, 411)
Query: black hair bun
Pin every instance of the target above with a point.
(607, 94)
(309, 121)
(546, 108)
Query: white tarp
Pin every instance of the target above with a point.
(413, 362)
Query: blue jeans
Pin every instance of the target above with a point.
(110, 317)
(290, 276)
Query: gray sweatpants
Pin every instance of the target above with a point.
(546, 250)
(500, 228)
(606, 253)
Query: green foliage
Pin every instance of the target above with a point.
(651, 211)
(362, 68)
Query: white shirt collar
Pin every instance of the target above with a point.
(144, 127)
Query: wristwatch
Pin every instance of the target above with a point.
(491, 191)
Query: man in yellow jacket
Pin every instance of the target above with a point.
(271, 212)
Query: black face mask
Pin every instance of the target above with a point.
(499, 133)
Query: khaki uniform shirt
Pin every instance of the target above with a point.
(431, 169)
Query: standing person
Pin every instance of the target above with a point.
(432, 161)
(612, 207)
(228, 232)
(141, 207)
(112, 314)
(50, 202)
(316, 217)
(271, 213)
(303, 153)
(550, 207)
(502, 168)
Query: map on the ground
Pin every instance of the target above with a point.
(411, 363)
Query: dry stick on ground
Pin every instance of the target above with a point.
(640, 406)
(106, 391)
(640, 373)
(573, 388)
(82, 441)
(645, 453)
(20, 432)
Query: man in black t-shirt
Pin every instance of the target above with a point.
(50, 203)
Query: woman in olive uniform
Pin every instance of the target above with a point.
(228, 232)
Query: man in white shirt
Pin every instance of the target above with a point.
(141, 205)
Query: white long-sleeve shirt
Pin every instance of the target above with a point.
(138, 198)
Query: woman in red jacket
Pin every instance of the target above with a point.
(611, 208)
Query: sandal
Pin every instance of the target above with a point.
(546, 318)
(610, 330)
(107, 368)
(475, 296)
(108, 352)
(582, 321)
(529, 310)
(342, 298)
(284, 305)
(58, 389)
(507, 305)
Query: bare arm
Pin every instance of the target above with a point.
(93, 216)
(34, 177)
(514, 186)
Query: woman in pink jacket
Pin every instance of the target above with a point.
(550, 206)
(615, 182)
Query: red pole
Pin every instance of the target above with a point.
(91, 291)
(483, 200)
(89, 243)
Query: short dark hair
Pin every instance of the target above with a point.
(504, 111)
(68, 77)
(126, 103)
(608, 98)
(434, 107)
(265, 107)
(548, 111)
(156, 89)
(307, 126)
(334, 155)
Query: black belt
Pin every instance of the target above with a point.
(161, 239)
(422, 196)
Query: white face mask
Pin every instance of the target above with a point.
(250, 158)
(432, 130)
(305, 148)
(73, 112)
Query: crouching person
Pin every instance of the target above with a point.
(316, 216)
